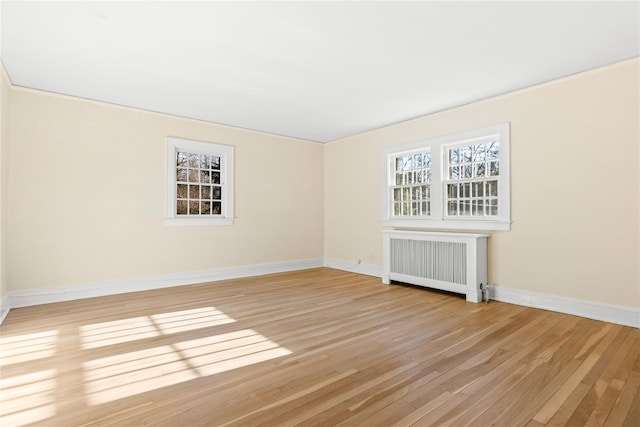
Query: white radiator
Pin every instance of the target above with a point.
(455, 262)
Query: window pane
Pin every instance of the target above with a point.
(454, 172)
(452, 191)
(417, 161)
(405, 208)
(405, 193)
(216, 208)
(407, 162)
(194, 208)
(398, 163)
(205, 176)
(452, 208)
(194, 160)
(479, 170)
(398, 179)
(478, 189)
(215, 177)
(465, 154)
(492, 188)
(424, 208)
(181, 207)
(194, 176)
(478, 153)
(204, 161)
(493, 150)
(492, 208)
(194, 191)
(181, 159)
(453, 156)
(427, 160)
(425, 192)
(494, 168)
(465, 207)
(465, 189)
(466, 171)
(205, 192)
(415, 193)
(181, 191)
(216, 193)
(214, 162)
(415, 208)
(477, 208)
(181, 175)
(397, 195)
(397, 209)
(205, 208)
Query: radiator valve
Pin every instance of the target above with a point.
(485, 292)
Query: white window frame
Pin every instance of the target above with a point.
(438, 218)
(225, 152)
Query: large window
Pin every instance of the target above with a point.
(458, 181)
(200, 183)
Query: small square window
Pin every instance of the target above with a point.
(200, 183)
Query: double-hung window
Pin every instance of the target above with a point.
(458, 181)
(200, 183)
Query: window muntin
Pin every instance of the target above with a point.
(411, 191)
(200, 183)
(469, 185)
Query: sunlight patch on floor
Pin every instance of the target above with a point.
(133, 329)
(127, 374)
(188, 320)
(23, 348)
(219, 353)
(28, 398)
(116, 332)
(110, 374)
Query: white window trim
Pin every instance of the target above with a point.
(225, 152)
(438, 219)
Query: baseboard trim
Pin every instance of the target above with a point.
(354, 267)
(4, 308)
(627, 316)
(621, 315)
(45, 296)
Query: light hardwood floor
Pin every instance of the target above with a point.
(315, 347)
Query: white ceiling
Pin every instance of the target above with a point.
(312, 70)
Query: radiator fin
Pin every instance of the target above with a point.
(444, 261)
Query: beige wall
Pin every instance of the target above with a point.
(4, 171)
(86, 192)
(574, 186)
(87, 196)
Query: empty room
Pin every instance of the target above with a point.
(319, 213)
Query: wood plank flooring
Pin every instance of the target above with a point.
(318, 347)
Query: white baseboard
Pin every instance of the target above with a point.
(593, 310)
(354, 267)
(621, 315)
(45, 296)
(4, 308)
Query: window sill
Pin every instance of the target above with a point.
(198, 221)
(449, 224)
